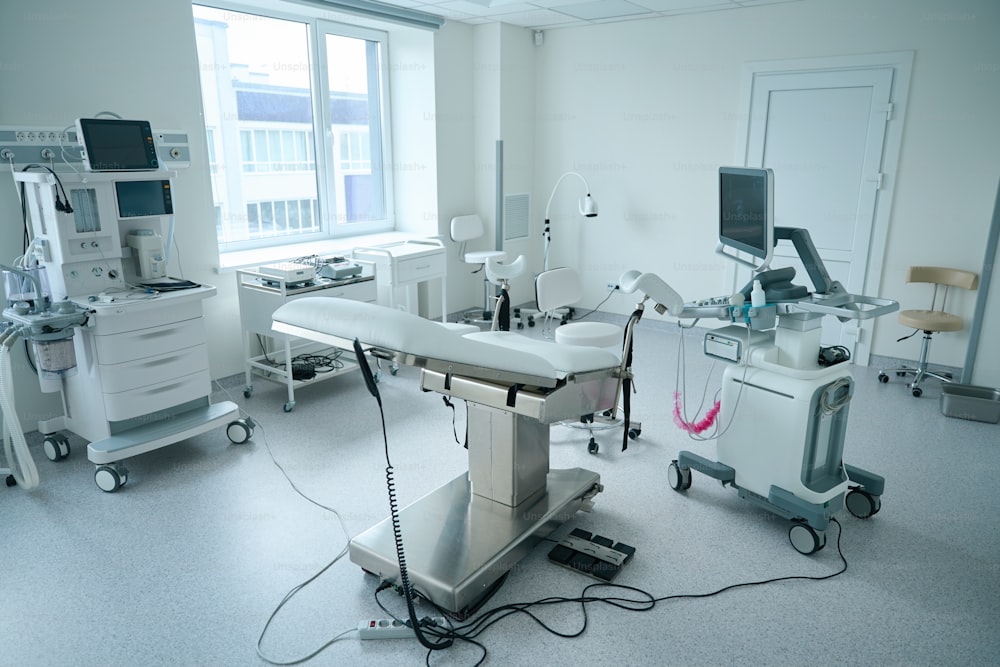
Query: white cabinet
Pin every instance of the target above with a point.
(260, 295)
(399, 267)
(142, 379)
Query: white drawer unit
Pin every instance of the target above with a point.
(142, 343)
(148, 370)
(399, 267)
(418, 268)
(152, 398)
(142, 381)
(260, 295)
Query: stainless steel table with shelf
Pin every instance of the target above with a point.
(260, 295)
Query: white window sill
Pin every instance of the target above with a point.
(342, 247)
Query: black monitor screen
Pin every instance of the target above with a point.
(117, 145)
(745, 210)
(137, 199)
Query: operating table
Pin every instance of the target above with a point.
(462, 538)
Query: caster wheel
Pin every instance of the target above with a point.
(634, 433)
(587, 419)
(239, 431)
(247, 391)
(918, 392)
(531, 323)
(805, 539)
(393, 370)
(678, 478)
(520, 325)
(10, 481)
(51, 449)
(900, 374)
(107, 479)
(883, 378)
(862, 504)
(289, 406)
(56, 447)
(592, 446)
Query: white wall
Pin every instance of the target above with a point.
(648, 110)
(454, 120)
(485, 93)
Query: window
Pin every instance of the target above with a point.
(295, 114)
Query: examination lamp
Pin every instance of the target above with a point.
(588, 209)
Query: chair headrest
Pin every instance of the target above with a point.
(466, 227)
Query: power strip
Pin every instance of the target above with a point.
(384, 628)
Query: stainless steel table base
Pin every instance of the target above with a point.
(457, 544)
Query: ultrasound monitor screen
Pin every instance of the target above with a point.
(745, 210)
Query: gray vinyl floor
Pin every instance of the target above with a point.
(187, 562)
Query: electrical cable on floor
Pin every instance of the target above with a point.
(471, 631)
(643, 601)
(298, 587)
(594, 309)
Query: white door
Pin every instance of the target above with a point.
(824, 133)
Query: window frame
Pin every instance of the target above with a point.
(325, 142)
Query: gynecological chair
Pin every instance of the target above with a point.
(559, 288)
(931, 320)
(500, 274)
(465, 228)
(462, 538)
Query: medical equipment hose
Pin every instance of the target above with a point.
(18, 457)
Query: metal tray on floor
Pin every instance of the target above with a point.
(966, 401)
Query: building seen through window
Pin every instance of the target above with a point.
(294, 121)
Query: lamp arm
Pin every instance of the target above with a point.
(547, 230)
(556, 187)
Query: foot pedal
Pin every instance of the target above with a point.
(594, 555)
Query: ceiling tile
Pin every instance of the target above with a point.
(564, 13)
(603, 9)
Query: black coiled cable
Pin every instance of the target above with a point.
(397, 534)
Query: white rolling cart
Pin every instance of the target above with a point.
(260, 295)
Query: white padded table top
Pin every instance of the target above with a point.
(400, 331)
(566, 358)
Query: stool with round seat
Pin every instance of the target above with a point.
(465, 228)
(931, 320)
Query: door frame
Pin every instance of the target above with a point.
(901, 63)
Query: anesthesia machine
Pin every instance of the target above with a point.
(123, 343)
(782, 414)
